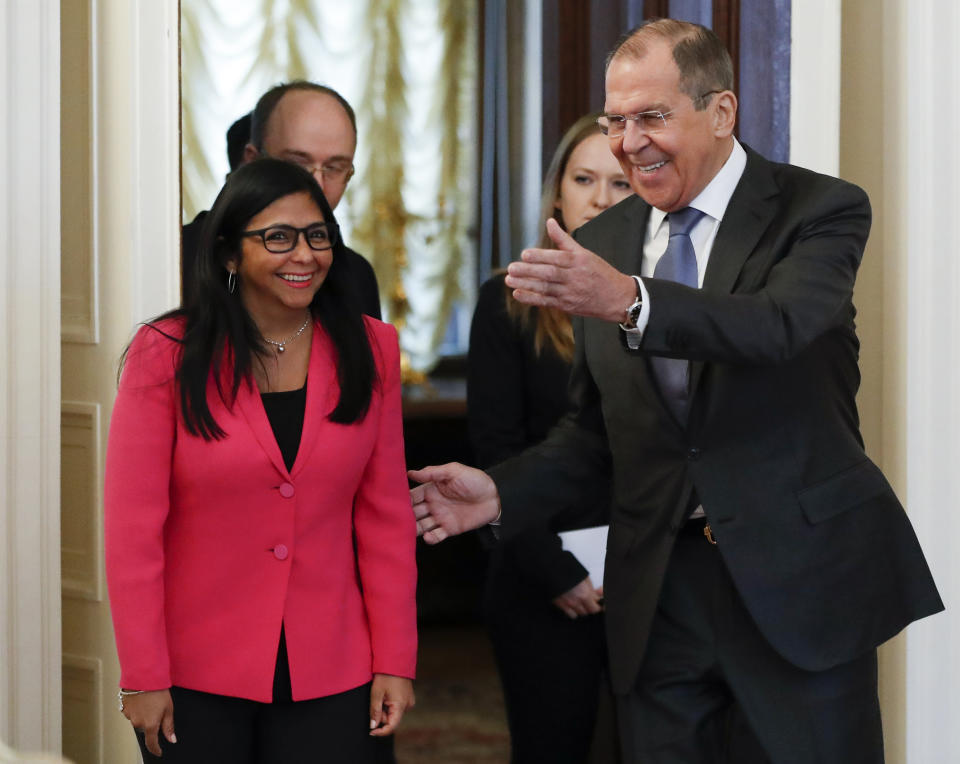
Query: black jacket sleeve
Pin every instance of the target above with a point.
(502, 367)
(364, 282)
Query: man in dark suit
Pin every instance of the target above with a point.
(311, 125)
(756, 554)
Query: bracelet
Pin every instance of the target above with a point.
(121, 694)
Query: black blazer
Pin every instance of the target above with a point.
(514, 396)
(360, 272)
(815, 540)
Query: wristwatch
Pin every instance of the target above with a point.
(633, 310)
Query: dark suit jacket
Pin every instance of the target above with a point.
(815, 540)
(360, 272)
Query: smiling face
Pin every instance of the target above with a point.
(669, 168)
(592, 181)
(276, 286)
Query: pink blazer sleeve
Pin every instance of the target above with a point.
(136, 503)
(385, 527)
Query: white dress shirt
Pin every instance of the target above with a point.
(712, 201)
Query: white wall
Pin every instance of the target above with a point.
(900, 115)
(927, 244)
(815, 84)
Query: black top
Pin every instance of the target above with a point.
(514, 397)
(359, 272)
(285, 412)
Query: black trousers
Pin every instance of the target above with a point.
(215, 729)
(552, 672)
(705, 652)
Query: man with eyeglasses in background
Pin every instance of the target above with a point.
(313, 126)
(756, 554)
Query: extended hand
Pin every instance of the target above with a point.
(390, 697)
(151, 712)
(582, 599)
(453, 499)
(571, 278)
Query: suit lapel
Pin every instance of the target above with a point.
(749, 213)
(321, 383)
(624, 250)
(322, 392)
(621, 244)
(251, 407)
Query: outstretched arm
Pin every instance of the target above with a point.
(452, 499)
(571, 278)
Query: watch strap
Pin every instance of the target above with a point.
(632, 311)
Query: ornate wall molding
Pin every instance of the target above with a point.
(30, 380)
(81, 547)
(83, 707)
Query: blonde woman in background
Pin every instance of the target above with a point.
(544, 614)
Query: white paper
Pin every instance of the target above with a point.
(589, 546)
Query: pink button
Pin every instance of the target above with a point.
(280, 551)
(287, 490)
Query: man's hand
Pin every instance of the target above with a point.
(453, 499)
(582, 599)
(390, 698)
(571, 278)
(151, 712)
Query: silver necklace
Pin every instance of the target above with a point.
(282, 344)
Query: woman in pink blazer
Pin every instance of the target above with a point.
(259, 535)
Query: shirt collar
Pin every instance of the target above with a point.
(713, 200)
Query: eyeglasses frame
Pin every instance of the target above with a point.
(605, 128)
(333, 231)
(340, 176)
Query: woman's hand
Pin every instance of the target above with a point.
(151, 712)
(582, 599)
(390, 697)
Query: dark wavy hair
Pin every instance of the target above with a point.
(219, 329)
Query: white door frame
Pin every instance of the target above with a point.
(137, 91)
(30, 374)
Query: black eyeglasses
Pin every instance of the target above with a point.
(284, 238)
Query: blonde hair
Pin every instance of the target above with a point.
(553, 329)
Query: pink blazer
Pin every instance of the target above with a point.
(211, 545)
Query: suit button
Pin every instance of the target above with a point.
(693, 454)
(287, 490)
(280, 551)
